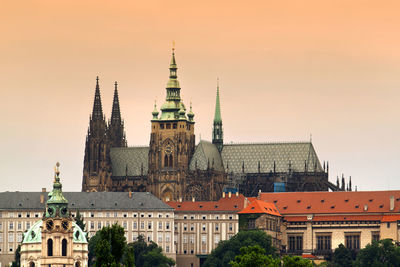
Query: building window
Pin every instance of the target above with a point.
(192, 227)
(134, 225)
(167, 238)
(92, 225)
(167, 249)
(216, 239)
(98, 225)
(10, 237)
(28, 225)
(160, 226)
(142, 225)
(324, 242)
(50, 247)
(149, 225)
(295, 243)
(251, 224)
(64, 247)
(203, 239)
(159, 238)
(204, 217)
(375, 236)
(1, 226)
(217, 227)
(184, 239)
(19, 237)
(230, 227)
(204, 227)
(353, 241)
(125, 225)
(115, 214)
(11, 226)
(168, 125)
(191, 239)
(19, 226)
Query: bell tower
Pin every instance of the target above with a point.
(172, 142)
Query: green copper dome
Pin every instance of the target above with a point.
(34, 234)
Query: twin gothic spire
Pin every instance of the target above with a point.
(115, 129)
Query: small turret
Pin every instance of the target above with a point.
(190, 113)
(155, 112)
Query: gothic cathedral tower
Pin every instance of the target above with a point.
(96, 170)
(172, 143)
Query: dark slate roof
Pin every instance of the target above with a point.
(129, 160)
(204, 154)
(85, 201)
(235, 156)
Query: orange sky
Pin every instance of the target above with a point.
(287, 69)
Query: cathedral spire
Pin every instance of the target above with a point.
(217, 114)
(115, 113)
(173, 87)
(217, 134)
(97, 113)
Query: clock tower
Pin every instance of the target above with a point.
(172, 143)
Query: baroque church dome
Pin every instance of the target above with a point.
(34, 234)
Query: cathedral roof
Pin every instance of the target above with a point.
(206, 155)
(84, 201)
(247, 158)
(129, 161)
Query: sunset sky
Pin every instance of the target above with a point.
(287, 70)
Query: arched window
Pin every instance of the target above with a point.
(77, 264)
(166, 161)
(50, 247)
(64, 247)
(171, 161)
(31, 264)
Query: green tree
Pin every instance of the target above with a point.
(110, 246)
(342, 257)
(229, 249)
(92, 247)
(252, 256)
(17, 257)
(149, 254)
(129, 257)
(296, 261)
(382, 253)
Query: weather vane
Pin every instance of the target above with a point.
(173, 45)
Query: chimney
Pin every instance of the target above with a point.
(237, 193)
(130, 194)
(365, 207)
(193, 199)
(223, 194)
(43, 189)
(391, 203)
(180, 199)
(41, 198)
(229, 194)
(259, 194)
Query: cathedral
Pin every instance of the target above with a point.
(174, 167)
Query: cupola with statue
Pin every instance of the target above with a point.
(56, 240)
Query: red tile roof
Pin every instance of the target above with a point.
(233, 203)
(329, 218)
(258, 206)
(361, 202)
(391, 218)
